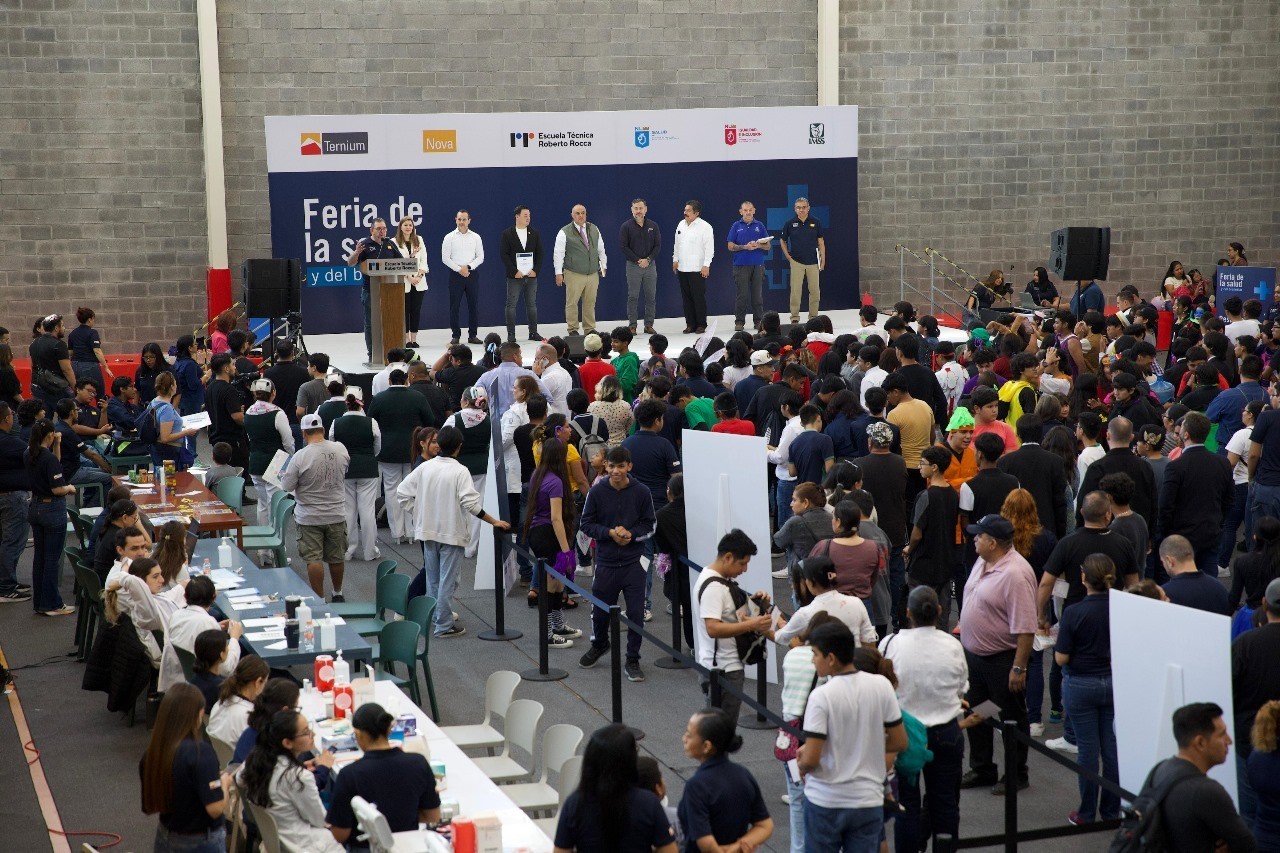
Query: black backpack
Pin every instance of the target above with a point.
(148, 426)
(751, 645)
(1143, 829)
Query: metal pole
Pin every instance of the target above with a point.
(932, 286)
(544, 671)
(681, 584)
(499, 631)
(902, 274)
(1010, 787)
(715, 695)
(758, 720)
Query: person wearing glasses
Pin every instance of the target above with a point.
(275, 777)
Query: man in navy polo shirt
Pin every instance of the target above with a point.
(373, 247)
(1264, 462)
(803, 244)
(1187, 585)
(745, 238)
(1088, 297)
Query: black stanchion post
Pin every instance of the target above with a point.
(499, 631)
(944, 843)
(615, 661)
(715, 693)
(1010, 787)
(681, 585)
(758, 720)
(544, 671)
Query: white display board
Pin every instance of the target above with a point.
(484, 551)
(726, 486)
(1164, 656)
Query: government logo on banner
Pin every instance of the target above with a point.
(314, 144)
(730, 134)
(817, 133)
(642, 137)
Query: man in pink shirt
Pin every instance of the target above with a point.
(996, 628)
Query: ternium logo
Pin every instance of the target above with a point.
(313, 143)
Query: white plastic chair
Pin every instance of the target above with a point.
(266, 822)
(499, 690)
(559, 743)
(223, 750)
(570, 776)
(523, 717)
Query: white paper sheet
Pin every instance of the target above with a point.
(275, 468)
(524, 262)
(199, 420)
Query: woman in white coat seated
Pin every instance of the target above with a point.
(139, 593)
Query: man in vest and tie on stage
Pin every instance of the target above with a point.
(580, 262)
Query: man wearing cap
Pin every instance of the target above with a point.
(579, 260)
(884, 477)
(1255, 680)
(267, 427)
(964, 463)
(594, 368)
(316, 475)
(997, 625)
(762, 368)
(748, 241)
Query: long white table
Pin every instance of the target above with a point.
(474, 792)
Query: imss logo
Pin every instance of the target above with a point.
(313, 144)
(817, 133)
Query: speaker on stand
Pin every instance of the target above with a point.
(273, 290)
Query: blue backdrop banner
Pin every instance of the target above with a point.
(1247, 283)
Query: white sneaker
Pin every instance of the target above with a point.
(782, 574)
(1037, 729)
(1224, 571)
(555, 641)
(786, 799)
(1060, 744)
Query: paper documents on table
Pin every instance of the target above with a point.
(275, 468)
(199, 420)
(225, 576)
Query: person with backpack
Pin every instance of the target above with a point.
(1180, 809)
(160, 426)
(731, 625)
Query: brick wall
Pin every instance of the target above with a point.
(986, 125)
(101, 181)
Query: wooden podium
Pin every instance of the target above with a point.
(386, 306)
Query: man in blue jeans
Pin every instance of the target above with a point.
(15, 497)
(849, 725)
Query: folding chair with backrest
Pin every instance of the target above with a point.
(570, 775)
(499, 690)
(188, 661)
(89, 599)
(393, 595)
(273, 509)
(559, 743)
(266, 823)
(521, 726)
(277, 542)
(230, 490)
(221, 748)
(398, 643)
(363, 609)
(422, 610)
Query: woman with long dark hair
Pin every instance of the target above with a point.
(838, 420)
(549, 530)
(48, 516)
(151, 365)
(722, 803)
(738, 355)
(280, 694)
(10, 385)
(425, 445)
(230, 716)
(181, 780)
(609, 812)
(139, 592)
(275, 778)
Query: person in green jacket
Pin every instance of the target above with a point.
(625, 363)
(362, 437)
(477, 439)
(268, 429)
(399, 410)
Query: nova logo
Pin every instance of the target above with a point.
(439, 141)
(521, 140)
(313, 144)
(642, 137)
(817, 133)
(730, 134)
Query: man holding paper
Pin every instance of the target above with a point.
(748, 241)
(521, 250)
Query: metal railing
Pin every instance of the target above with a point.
(943, 294)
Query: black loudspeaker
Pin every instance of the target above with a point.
(272, 286)
(1080, 254)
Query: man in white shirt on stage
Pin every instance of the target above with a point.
(462, 252)
(691, 260)
(579, 260)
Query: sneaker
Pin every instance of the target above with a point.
(1224, 571)
(782, 574)
(567, 632)
(976, 780)
(1037, 729)
(16, 595)
(1060, 744)
(669, 611)
(64, 610)
(555, 641)
(338, 598)
(786, 799)
(1055, 718)
(24, 587)
(998, 788)
(592, 656)
(633, 671)
(1075, 820)
(648, 615)
(455, 631)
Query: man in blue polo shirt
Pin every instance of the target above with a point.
(805, 248)
(747, 242)
(1088, 297)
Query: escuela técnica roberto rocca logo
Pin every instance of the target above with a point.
(313, 144)
(555, 139)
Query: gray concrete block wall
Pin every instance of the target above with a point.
(985, 126)
(101, 172)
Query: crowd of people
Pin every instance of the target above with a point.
(945, 514)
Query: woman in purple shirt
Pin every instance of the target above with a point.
(548, 528)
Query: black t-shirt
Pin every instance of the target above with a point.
(222, 400)
(522, 438)
(436, 396)
(288, 377)
(1085, 634)
(935, 556)
(1199, 398)
(646, 827)
(884, 477)
(72, 447)
(196, 784)
(13, 466)
(399, 783)
(45, 473)
(1266, 432)
(1255, 675)
(1071, 551)
(46, 351)
(372, 251)
(653, 461)
(82, 341)
(458, 379)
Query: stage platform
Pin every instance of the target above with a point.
(346, 352)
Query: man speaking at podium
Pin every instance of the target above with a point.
(373, 247)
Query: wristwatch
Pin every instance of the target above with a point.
(1017, 670)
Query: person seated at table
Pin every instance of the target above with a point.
(400, 782)
(122, 539)
(171, 554)
(275, 777)
(90, 420)
(280, 694)
(211, 651)
(187, 624)
(75, 452)
(230, 715)
(139, 593)
(117, 493)
(221, 466)
(123, 408)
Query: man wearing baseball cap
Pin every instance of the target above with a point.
(267, 426)
(762, 368)
(316, 476)
(594, 368)
(996, 628)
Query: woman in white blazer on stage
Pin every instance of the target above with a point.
(410, 245)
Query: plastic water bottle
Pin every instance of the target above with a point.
(341, 670)
(207, 569)
(226, 553)
(306, 628)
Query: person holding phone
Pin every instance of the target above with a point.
(373, 247)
